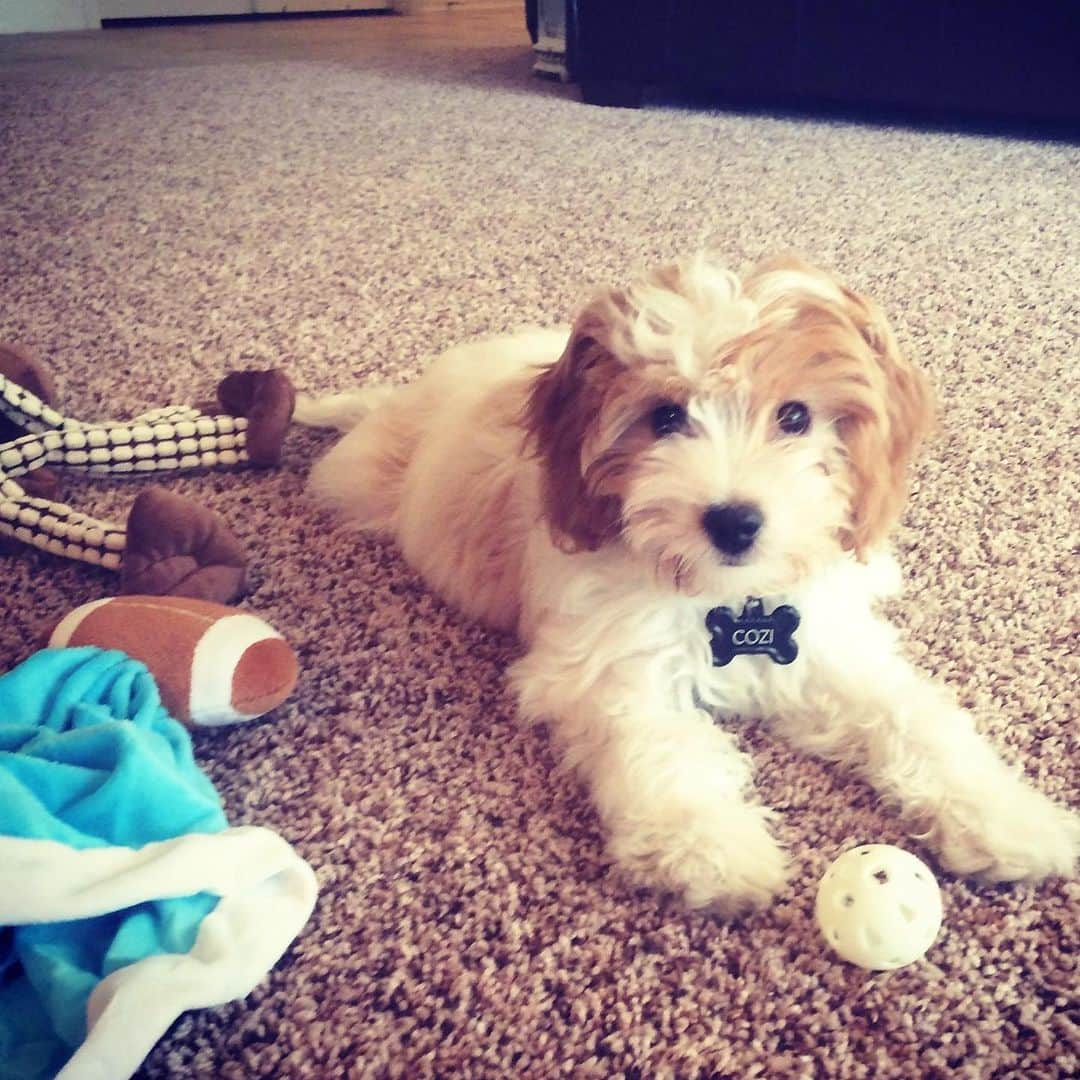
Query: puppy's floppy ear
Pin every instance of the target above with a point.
(561, 412)
(883, 436)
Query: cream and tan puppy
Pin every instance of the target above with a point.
(692, 441)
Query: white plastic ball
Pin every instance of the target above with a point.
(879, 907)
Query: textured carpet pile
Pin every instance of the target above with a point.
(346, 213)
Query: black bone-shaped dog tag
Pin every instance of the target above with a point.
(753, 632)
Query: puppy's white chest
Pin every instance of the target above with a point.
(762, 657)
(758, 653)
(745, 685)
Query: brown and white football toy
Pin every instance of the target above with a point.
(213, 664)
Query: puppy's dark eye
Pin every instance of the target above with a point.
(667, 419)
(793, 418)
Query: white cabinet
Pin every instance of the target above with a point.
(274, 7)
(149, 9)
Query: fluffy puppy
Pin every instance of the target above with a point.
(692, 441)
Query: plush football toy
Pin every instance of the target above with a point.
(170, 545)
(213, 664)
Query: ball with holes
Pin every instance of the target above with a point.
(212, 664)
(879, 907)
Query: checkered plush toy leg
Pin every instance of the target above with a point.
(170, 439)
(56, 528)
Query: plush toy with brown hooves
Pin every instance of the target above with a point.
(170, 544)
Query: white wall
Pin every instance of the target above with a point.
(24, 16)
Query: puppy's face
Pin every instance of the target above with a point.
(735, 435)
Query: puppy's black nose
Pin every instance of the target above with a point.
(733, 527)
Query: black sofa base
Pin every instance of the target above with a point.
(1007, 59)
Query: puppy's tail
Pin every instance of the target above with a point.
(341, 411)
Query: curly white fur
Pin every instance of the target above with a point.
(521, 478)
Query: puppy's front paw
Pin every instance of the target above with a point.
(723, 858)
(1015, 834)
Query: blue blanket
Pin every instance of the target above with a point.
(89, 757)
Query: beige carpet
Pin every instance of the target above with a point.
(346, 199)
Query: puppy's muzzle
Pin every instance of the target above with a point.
(733, 527)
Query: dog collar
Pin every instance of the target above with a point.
(753, 632)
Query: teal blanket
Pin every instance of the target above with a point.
(90, 758)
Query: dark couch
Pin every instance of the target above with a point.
(1005, 58)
